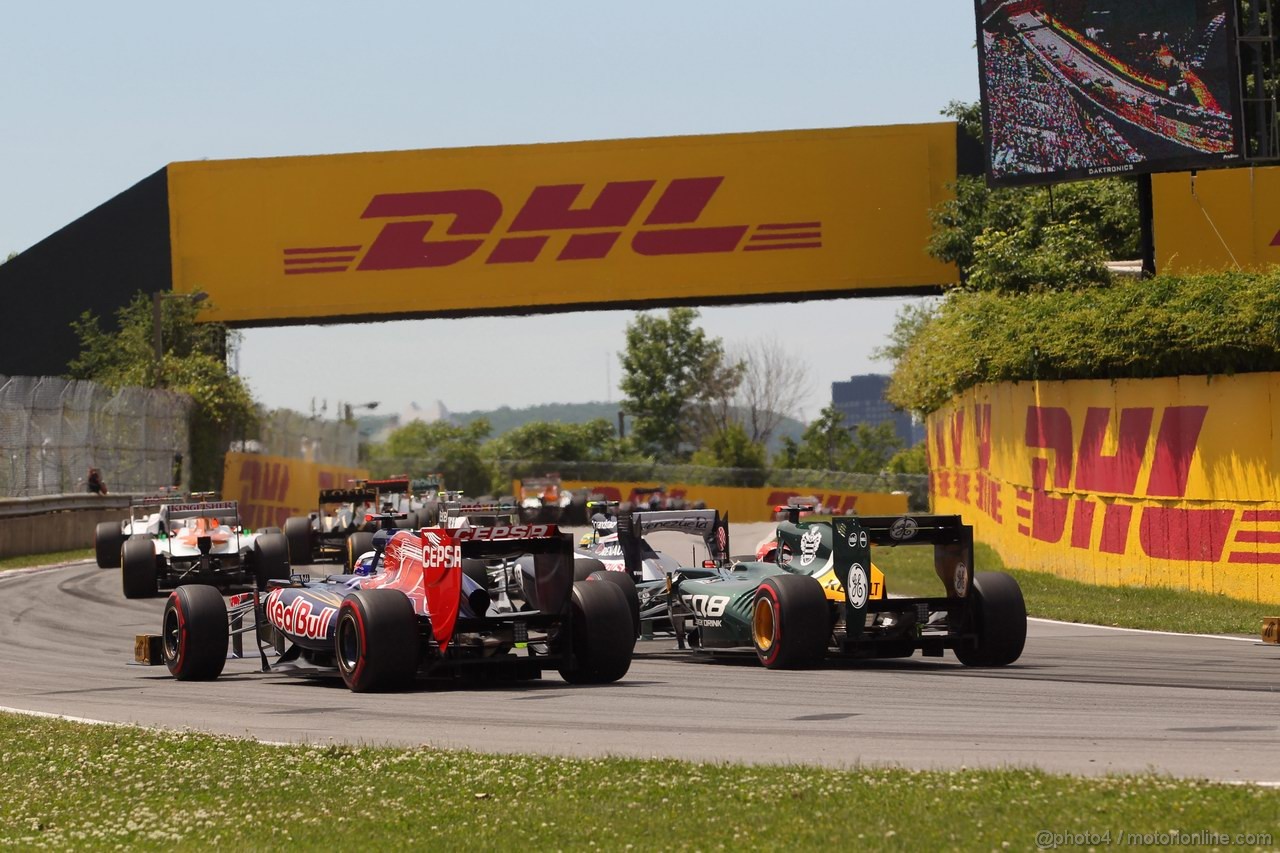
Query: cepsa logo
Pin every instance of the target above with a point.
(549, 210)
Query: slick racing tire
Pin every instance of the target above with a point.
(376, 643)
(624, 582)
(790, 622)
(429, 515)
(998, 618)
(602, 640)
(357, 544)
(194, 633)
(297, 533)
(271, 559)
(108, 539)
(138, 569)
(585, 567)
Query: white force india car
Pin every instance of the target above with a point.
(144, 520)
(201, 543)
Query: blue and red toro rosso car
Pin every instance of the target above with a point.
(436, 601)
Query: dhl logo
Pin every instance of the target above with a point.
(1050, 512)
(670, 227)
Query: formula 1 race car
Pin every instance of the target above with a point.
(201, 543)
(421, 611)
(323, 534)
(620, 546)
(144, 520)
(825, 597)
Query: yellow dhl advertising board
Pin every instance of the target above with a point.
(1163, 482)
(473, 230)
(1217, 220)
(744, 504)
(273, 488)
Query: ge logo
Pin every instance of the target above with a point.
(858, 539)
(856, 588)
(903, 528)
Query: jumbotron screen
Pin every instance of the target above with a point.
(1087, 88)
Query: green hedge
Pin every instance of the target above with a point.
(1221, 323)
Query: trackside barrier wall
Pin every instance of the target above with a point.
(749, 504)
(1170, 482)
(272, 488)
(55, 523)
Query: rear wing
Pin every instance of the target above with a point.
(708, 524)
(205, 509)
(347, 496)
(853, 536)
(159, 499)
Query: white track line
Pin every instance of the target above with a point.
(1254, 640)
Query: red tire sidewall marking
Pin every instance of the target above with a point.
(362, 654)
(182, 633)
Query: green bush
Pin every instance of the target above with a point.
(1221, 323)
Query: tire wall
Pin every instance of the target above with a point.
(1171, 482)
(750, 504)
(272, 488)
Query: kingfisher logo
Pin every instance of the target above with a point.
(671, 227)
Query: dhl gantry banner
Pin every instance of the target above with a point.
(1163, 482)
(272, 488)
(631, 221)
(1219, 220)
(745, 504)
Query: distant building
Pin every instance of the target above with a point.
(861, 401)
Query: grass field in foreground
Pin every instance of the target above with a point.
(49, 559)
(909, 571)
(71, 785)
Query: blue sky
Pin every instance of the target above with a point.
(101, 95)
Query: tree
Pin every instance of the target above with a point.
(671, 373)
(731, 447)
(193, 363)
(912, 460)
(551, 441)
(419, 448)
(774, 382)
(830, 444)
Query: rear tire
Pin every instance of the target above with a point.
(357, 544)
(271, 559)
(138, 569)
(623, 581)
(790, 622)
(376, 642)
(585, 567)
(108, 539)
(297, 533)
(194, 633)
(602, 640)
(998, 615)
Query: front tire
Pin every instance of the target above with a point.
(998, 618)
(138, 569)
(297, 532)
(194, 633)
(790, 622)
(376, 642)
(602, 640)
(108, 539)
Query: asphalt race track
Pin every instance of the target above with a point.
(1081, 699)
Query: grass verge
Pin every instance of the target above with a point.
(909, 571)
(27, 560)
(80, 786)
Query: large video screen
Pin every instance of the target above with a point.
(1086, 88)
